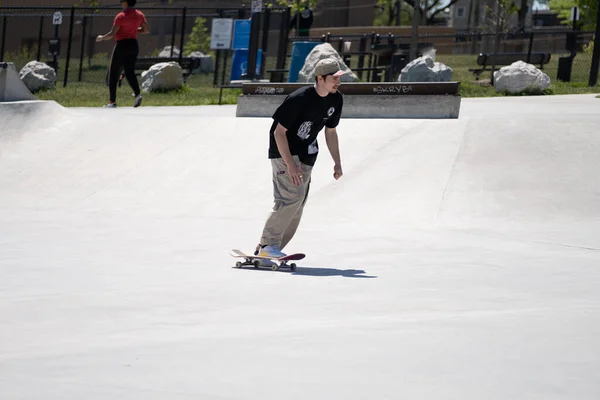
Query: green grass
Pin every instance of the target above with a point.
(199, 90)
(95, 95)
(460, 65)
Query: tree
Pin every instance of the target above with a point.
(385, 14)
(504, 10)
(588, 12)
(199, 39)
(431, 9)
(294, 4)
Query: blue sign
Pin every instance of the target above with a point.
(300, 51)
(241, 34)
(239, 64)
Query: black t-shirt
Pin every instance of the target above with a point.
(304, 114)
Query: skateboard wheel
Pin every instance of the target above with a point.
(275, 267)
(238, 264)
(293, 266)
(256, 263)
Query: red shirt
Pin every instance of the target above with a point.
(129, 21)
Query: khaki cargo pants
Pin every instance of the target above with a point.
(289, 203)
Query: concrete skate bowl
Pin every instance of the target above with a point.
(446, 263)
(527, 176)
(494, 175)
(21, 117)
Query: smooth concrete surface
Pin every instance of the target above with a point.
(12, 87)
(455, 259)
(365, 106)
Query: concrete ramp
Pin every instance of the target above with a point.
(455, 259)
(11, 86)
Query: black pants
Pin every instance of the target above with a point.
(124, 56)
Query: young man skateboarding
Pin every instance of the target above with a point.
(293, 150)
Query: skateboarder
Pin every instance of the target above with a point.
(293, 150)
(126, 26)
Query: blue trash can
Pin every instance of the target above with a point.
(300, 50)
(239, 64)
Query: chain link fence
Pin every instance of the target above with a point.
(32, 33)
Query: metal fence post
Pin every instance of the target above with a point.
(173, 29)
(181, 39)
(3, 41)
(40, 35)
(530, 46)
(596, 54)
(69, 45)
(84, 28)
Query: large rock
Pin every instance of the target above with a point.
(37, 75)
(207, 64)
(162, 77)
(166, 52)
(520, 77)
(325, 50)
(425, 69)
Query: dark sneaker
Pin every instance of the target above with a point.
(138, 101)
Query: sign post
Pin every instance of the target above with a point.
(54, 44)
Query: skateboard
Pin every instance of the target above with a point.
(255, 260)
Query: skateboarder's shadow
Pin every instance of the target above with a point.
(348, 273)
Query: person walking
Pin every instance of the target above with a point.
(293, 151)
(126, 27)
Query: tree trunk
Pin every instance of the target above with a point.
(522, 15)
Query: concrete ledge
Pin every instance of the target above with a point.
(362, 106)
(435, 100)
(354, 88)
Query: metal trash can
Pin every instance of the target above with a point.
(399, 61)
(565, 65)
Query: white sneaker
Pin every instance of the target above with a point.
(267, 263)
(111, 105)
(271, 251)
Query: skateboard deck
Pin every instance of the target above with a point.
(255, 260)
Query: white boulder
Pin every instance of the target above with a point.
(519, 77)
(37, 75)
(325, 50)
(166, 52)
(207, 64)
(425, 69)
(162, 76)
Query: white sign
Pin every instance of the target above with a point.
(575, 14)
(57, 18)
(220, 37)
(257, 6)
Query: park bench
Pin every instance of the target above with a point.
(187, 64)
(486, 60)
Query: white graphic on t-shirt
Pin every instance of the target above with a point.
(304, 130)
(312, 148)
(330, 111)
